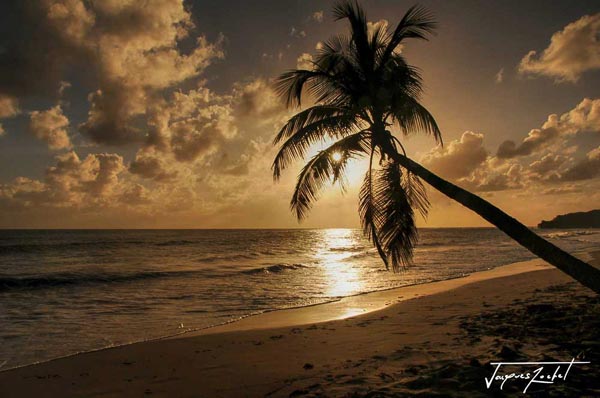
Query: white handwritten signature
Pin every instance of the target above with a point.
(537, 376)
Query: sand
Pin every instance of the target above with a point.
(428, 340)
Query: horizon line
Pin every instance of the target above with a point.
(231, 229)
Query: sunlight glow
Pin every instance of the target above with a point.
(343, 278)
(336, 156)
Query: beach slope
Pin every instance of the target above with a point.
(428, 340)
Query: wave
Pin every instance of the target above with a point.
(364, 254)
(8, 283)
(347, 248)
(73, 279)
(176, 242)
(569, 234)
(228, 257)
(37, 247)
(276, 268)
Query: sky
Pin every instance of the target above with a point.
(161, 113)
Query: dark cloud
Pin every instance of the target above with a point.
(585, 117)
(585, 169)
(547, 167)
(148, 164)
(535, 140)
(130, 51)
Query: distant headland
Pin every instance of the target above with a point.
(588, 219)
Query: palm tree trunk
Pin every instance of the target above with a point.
(581, 271)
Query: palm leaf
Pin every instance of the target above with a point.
(370, 215)
(307, 117)
(415, 192)
(417, 23)
(296, 146)
(352, 11)
(396, 229)
(322, 168)
(411, 116)
(290, 84)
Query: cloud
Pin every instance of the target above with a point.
(199, 127)
(585, 117)
(132, 52)
(547, 166)
(305, 61)
(297, 33)
(9, 107)
(136, 195)
(373, 26)
(195, 137)
(562, 190)
(494, 175)
(317, 16)
(151, 165)
(109, 116)
(545, 157)
(572, 51)
(190, 125)
(50, 126)
(97, 187)
(499, 78)
(535, 141)
(585, 169)
(256, 100)
(459, 157)
(71, 182)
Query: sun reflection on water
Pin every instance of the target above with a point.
(342, 278)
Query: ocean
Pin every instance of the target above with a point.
(69, 291)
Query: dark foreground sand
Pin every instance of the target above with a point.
(438, 344)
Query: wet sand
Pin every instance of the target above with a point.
(428, 340)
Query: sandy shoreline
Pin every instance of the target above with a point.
(363, 303)
(402, 336)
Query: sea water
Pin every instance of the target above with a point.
(63, 292)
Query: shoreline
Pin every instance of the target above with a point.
(424, 339)
(361, 303)
(343, 308)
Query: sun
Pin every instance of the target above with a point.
(336, 156)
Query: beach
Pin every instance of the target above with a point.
(434, 339)
(283, 199)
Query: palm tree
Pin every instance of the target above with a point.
(363, 88)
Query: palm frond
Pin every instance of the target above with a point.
(351, 10)
(370, 215)
(296, 146)
(417, 23)
(334, 51)
(397, 229)
(305, 118)
(402, 79)
(290, 85)
(411, 116)
(322, 168)
(415, 192)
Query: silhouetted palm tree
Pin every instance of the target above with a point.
(363, 88)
